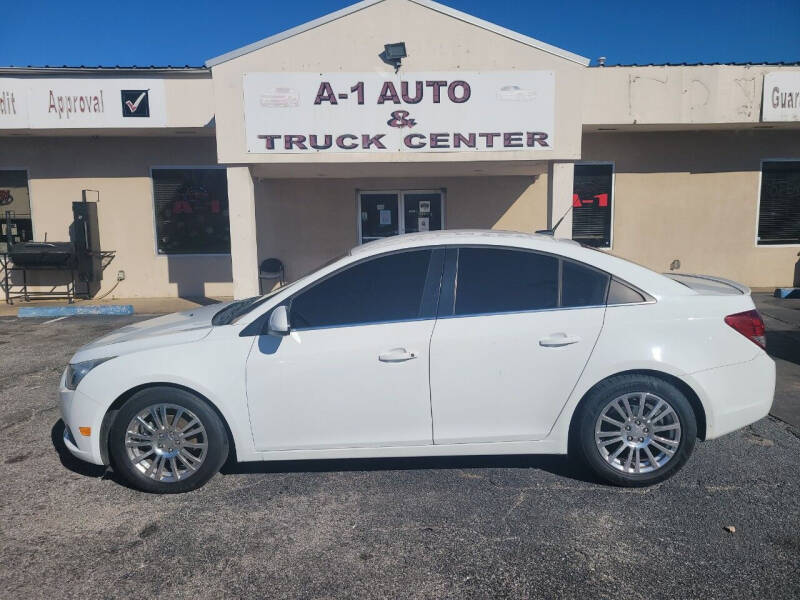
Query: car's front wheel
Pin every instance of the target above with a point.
(635, 430)
(167, 440)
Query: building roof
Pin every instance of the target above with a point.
(101, 69)
(709, 64)
(348, 10)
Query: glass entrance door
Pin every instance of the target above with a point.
(387, 213)
(380, 215)
(422, 211)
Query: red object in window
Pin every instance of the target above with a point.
(181, 207)
(750, 325)
(601, 199)
(215, 206)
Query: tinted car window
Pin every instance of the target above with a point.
(388, 288)
(582, 286)
(493, 280)
(619, 293)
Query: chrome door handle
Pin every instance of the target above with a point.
(557, 340)
(396, 355)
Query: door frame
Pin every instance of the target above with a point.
(401, 214)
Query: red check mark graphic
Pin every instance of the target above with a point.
(133, 106)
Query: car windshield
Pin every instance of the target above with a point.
(238, 308)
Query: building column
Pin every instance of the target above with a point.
(560, 177)
(244, 240)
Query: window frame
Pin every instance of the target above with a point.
(449, 287)
(431, 291)
(401, 212)
(442, 293)
(155, 212)
(30, 196)
(758, 203)
(613, 196)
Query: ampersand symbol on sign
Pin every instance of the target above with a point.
(400, 119)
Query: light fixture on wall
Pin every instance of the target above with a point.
(393, 54)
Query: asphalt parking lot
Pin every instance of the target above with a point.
(414, 528)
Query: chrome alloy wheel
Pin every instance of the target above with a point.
(637, 433)
(166, 442)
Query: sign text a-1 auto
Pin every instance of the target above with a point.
(416, 134)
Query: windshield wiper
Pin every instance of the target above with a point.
(233, 310)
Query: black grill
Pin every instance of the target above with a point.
(43, 254)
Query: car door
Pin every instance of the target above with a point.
(515, 330)
(353, 372)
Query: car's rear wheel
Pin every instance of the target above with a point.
(167, 440)
(635, 430)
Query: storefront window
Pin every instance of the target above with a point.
(191, 208)
(591, 204)
(384, 214)
(15, 209)
(779, 207)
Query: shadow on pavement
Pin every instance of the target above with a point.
(784, 345)
(75, 465)
(557, 465)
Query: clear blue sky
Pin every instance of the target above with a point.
(126, 32)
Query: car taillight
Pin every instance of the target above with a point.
(750, 325)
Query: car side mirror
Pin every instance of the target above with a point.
(279, 322)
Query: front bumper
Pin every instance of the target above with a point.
(79, 410)
(736, 395)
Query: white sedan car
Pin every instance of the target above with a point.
(430, 344)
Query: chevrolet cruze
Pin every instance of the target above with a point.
(430, 344)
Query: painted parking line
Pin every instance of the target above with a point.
(56, 319)
(67, 311)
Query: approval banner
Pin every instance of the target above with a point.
(457, 111)
(59, 103)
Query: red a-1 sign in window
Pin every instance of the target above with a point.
(596, 200)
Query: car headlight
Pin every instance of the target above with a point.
(77, 371)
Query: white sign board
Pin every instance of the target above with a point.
(459, 111)
(57, 103)
(781, 100)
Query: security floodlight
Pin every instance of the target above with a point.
(393, 54)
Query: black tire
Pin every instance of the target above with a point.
(584, 440)
(214, 435)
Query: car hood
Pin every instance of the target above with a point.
(177, 328)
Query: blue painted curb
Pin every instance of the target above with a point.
(68, 311)
(787, 293)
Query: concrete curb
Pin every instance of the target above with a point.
(68, 311)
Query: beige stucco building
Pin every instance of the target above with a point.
(307, 143)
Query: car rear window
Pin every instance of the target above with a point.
(582, 286)
(496, 280)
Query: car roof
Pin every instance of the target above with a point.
(461, 237)
(642, 277)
